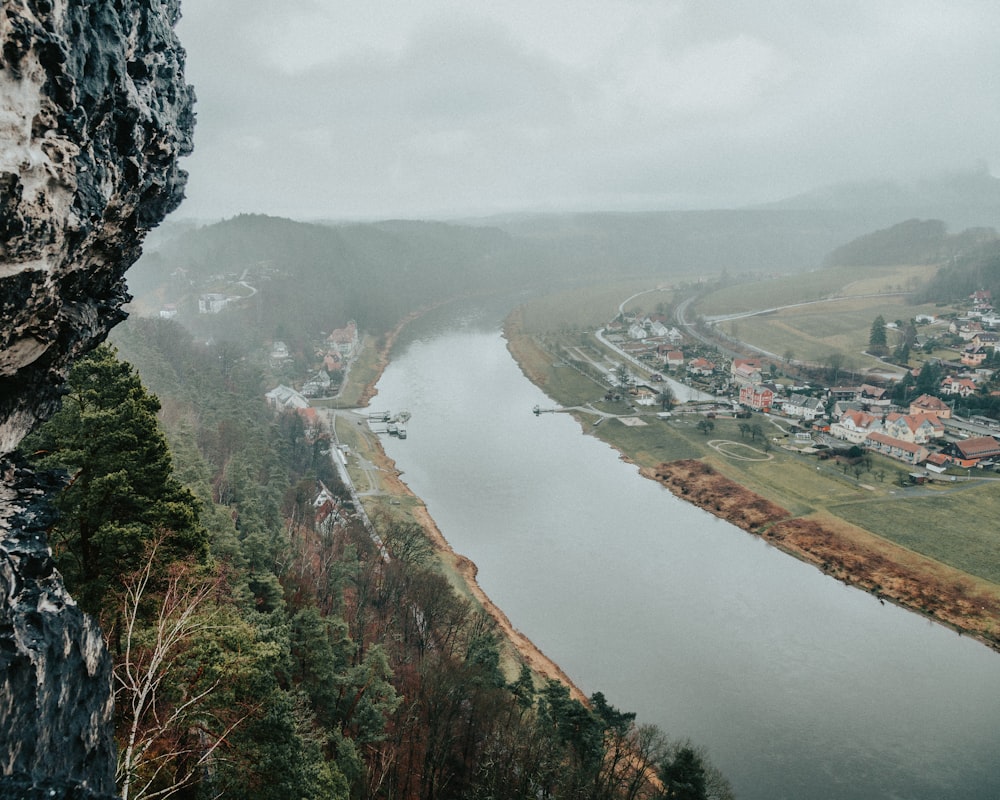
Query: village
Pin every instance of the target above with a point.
(924, 432)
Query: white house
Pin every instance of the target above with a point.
(658, 329)
(317, 385)
(854, 426)
(346, 340)
(700, 366)
(212, 303)
(279, 351)
(807, 408)
(746, 371)
(674, 359)
(914, 428)
(284, 398)
(896, 448)
(964, 387)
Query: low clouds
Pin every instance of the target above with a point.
(313, 109)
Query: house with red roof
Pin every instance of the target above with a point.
(855, 425)
(746, 371)
(973, 356)
(759, 396)
(674, 359)
(937, 462)
(963, 387)
(929, 404)
(700, 366)
(345, 340)
(969, 452)
(916, 428)
(907, 452)
(874, 395)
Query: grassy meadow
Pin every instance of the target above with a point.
(816, 285)
(812, 333)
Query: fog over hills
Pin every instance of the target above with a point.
(422, 259)
(964, 199)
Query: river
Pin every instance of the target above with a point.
(798, 686)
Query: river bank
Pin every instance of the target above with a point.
(844, 551)
(527, 652)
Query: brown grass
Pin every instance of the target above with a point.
(698, 483)
(845, 551)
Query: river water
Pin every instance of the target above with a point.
(798, 686)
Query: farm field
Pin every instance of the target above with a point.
(813, 332)
(816, 285)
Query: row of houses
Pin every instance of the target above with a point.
(910, 437)
(651, 326)
(867, 421)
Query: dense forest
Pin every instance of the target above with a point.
(912, 242)
(265, 650)
(975, 269)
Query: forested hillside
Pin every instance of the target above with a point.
(976, 269)
(311, 275)
(264, 649)
(912, 242)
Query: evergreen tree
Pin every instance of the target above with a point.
(121, 492)
(683, 776)
(877, 340)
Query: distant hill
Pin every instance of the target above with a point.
(912, 242)
(961, 199)
(380, 269)
(298, 278)
(688, 243)
(319, 276)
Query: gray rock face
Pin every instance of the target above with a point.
(94, 114)
(55, 698)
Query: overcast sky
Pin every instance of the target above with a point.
(357, 109)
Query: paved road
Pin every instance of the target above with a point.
(340, 464)
(744, 314)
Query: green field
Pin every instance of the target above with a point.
(950, 526)
(589, 307)
(811, 333)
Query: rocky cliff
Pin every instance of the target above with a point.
(94, 114)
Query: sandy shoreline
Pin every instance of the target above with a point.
(528, 652)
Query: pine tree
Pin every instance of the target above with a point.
(877, 340)
(121, 493)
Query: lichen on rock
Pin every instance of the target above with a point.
(94, 115)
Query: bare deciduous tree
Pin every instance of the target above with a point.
(169, 731)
